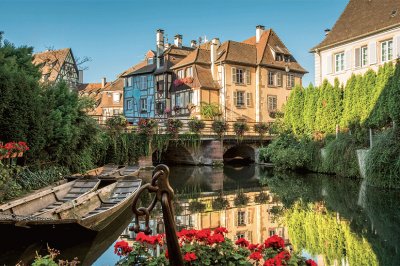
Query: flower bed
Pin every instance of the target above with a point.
(13, 149)
(209, 247)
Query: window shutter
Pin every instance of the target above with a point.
(328, 64)
(372, 53)
(233, 74)
(396, 46)
(348, 59)
(235, 98)
(249, 99)
(250, 217)
(236, 218)
(279, 79)
(248, 77)
(357, 57)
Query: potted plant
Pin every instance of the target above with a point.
(261, 128)
(220, 203)
(261, 198)
(219, 127)
(195, 125)
(196, 206)
(177, 109)
(241, 199)
(240, 128)
(146, 126)
(173, 126)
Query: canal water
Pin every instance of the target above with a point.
(332, 220)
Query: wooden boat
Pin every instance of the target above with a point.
(93, 211)
(48, 198)
(103, 171)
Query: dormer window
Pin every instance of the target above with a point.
(189, 72)
(287, 58)
(181, 74)
(150, 61)
(279, 57)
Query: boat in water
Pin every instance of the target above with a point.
(90, 201)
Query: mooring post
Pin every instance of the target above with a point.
(164, 194)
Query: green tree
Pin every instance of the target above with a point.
(310, 106)
(294, 111)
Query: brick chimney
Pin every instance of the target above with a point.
(259, 31)
(103, 82)
(178, 40)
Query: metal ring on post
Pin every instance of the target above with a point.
(164, 194)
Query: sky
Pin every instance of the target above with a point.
(116, 34)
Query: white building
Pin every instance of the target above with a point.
(365, 36)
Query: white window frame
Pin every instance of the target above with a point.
(387, 50)
(271, 78)
(129, 104)
(241, 218)
(181, 74)
(129, 82)
(238, 75)
(143, 104)
(364, 56)
(339, 62)
(290, 80)
(116, 97)
(189, 72)
(272, 99)
(240, 99)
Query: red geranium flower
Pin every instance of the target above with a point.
(190, 256)
(203, 234)
(310, 262)
(122, 248)
(256, 256)
(220, 230)
(242, 242)
(274, 242)
(216, 238)
(284, 255)
(166, 254)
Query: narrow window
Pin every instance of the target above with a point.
(239, 98)
(279, 79)
(290, 80)
(143, 104)
(387, 50)
(272, 103)
(364, 56)
(271, 78)
(339, 62)
(241, 218)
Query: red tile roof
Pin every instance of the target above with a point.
(50, 62)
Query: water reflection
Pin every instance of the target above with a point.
(335, 221)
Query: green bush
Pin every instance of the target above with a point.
(286, 152)
(341, 157)
(383, 160)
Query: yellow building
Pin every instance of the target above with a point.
(251, 79)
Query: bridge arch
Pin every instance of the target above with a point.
(175, 154)
(240, 153)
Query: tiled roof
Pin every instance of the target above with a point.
(116, 85)
(361, 18)
(203, 78)
(198, 56)
(89, 88)
(51, 62)
(237, 52)
(132, 69)
(144, 70)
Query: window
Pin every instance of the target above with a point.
(150, 61)
(143, 82)
(189, 72)
(136, 82)
(115, 111)
(248, 77)
(116, 97)
(178, 100)
(271, 78)
(279, 57)
(128, 82)
(239, 99)
(279, 79)
(160, 108)
(272, 103)
(387, 50)
(290, 80)
(364, 55)
(143, 104)
(129, 104)
(181, 74)
(237, 75)
(241, 218)
(272, 232)
(150, 83)
(339, 62)
(240, 235)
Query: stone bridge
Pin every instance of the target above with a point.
(212, 151)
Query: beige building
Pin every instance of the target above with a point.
(365, 36)
(250, 80)
(108, 97)
(57, 65)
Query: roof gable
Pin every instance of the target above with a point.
(51, 62)
(361, 18)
